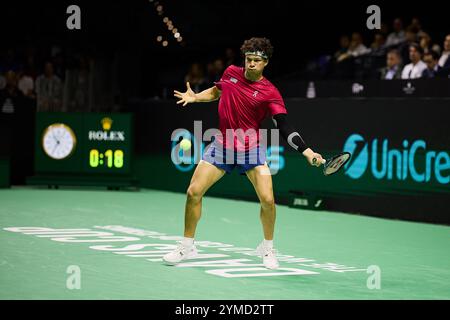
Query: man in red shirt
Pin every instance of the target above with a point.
(246, 99)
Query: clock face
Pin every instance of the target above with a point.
(58, 141)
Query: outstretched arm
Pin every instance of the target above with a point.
(190, 96)
(295, 140)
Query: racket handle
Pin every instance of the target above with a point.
(314, 160)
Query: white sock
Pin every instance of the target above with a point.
(268, 243)
(187, 241)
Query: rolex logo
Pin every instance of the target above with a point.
(106, 134)
(106, 123)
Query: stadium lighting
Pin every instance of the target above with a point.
(170, 26)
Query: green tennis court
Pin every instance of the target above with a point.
(96, 244)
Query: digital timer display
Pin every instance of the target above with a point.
(109, 158)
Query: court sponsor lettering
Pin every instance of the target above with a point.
(218, 263)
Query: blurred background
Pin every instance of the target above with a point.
(361, 87)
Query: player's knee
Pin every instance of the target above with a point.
(267, 201)
(194, 193)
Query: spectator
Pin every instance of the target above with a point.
(48, 90)
(230, 57)
(356, 48)
(433, 69)
(196, 77)
(427, 45)
(344, 43)
(415, 23)
(77, 87)
(444, 60)
(378, 42)
(219, 67)
(410, 38)
(384, 30)
(26, 83)
(11, 98)
(393, 69)
(215, 70)
(398, 35)
(59, 66)
(414, 69)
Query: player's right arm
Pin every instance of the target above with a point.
(295, 140)
(190, 96)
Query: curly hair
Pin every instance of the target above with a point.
(257, 44)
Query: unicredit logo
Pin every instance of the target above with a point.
(384, 161)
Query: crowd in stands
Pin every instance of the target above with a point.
(203, 75)
(44, 80)
(404, 53)
(50, 79)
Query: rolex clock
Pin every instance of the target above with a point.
(88, 145)
(58, 141)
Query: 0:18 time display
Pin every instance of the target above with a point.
(109, 158)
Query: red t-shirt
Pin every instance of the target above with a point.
(244, 104)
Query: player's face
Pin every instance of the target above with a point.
(254, 64)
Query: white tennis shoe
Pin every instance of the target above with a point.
(181, 253)
(268, 255)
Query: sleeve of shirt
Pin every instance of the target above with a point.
(218, 84)
(276, 104)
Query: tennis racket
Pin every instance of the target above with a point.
(335, 163)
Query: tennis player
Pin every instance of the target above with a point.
(246, 99)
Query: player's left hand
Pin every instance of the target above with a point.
(185, 97)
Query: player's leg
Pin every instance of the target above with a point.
(261, 180)
(205, 175)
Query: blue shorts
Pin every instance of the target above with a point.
(227, 159)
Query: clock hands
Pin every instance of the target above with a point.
(57, 141)
(56, 146)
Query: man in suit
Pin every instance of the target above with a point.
(393, 69)
(433, 70)
(444, 60)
